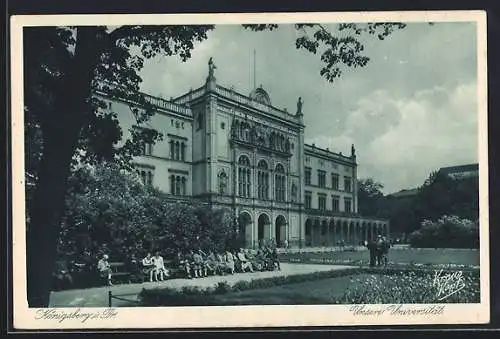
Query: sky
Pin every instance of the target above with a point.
(410, 111)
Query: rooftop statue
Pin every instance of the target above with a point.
(211, 67)
(299, 105)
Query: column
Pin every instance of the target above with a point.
(328, 240)
(348, 234)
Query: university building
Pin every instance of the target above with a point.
(240, 152)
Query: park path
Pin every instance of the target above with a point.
(98, 296)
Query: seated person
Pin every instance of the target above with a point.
(148, 266)
(184, 264)
(159, 267)
(260, 260)
(275, 262)
(229, 261)
(104, 269)
(198, 264)
(62, 276)
(221, 263)
(204, 258)
(237, 263)
(245, 264)
(211, 264)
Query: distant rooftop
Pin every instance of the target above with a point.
(459, 169)
(405, 193)
(326, 152)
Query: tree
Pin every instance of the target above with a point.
(65, 66)
(370, 198)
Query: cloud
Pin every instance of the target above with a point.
(420, 133)
(412, 109)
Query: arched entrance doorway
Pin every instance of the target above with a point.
(245, 229)
(264, 228)
(280, 230)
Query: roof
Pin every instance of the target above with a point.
(459, 168)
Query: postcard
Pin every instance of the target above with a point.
(249, 170)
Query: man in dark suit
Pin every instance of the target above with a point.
(372, 247)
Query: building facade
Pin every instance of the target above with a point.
(242, 153)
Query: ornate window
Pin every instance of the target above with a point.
(347, 205)
(280, 183)
(294, 192)
(322, 202)
(308, 199)
(308, 176)
(178, 185)
(172, 149)
(347, 184)
(263, 180)
(177, 150)
(244, 177)
(146, 173)
(335, 203)
(335, 181)
(321, 178)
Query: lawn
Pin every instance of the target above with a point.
(401, 256)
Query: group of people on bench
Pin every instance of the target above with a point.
(198, 264)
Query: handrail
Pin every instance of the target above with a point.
(118, 297)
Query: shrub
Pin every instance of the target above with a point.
(446, 232)
(222, 287)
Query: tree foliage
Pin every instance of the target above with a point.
(109, 210)
(371, 200)
(339, 49)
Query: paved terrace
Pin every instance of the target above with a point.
(98, 296)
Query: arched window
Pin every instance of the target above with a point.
(177, 150)
(280, 183)
(244, 177)
(263, 180)
(183, 151)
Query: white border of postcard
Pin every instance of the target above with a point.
(239, 316)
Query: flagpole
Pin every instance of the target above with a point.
(254, 70)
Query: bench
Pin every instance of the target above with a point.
(120, 272)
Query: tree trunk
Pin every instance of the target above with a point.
(48, 207)
(61, 131)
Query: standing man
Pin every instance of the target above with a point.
(385, 250)
(379, 249)
(372, 249)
